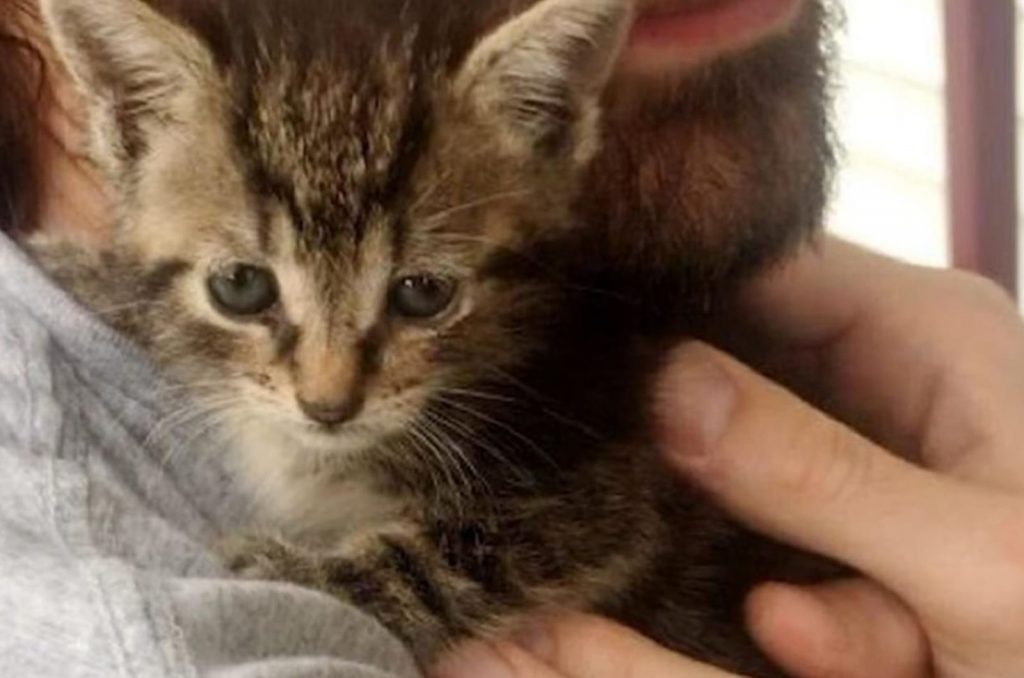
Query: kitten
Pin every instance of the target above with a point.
(344, 225)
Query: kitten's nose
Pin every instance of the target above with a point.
(331, 413)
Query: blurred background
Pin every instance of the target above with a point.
(926, 111)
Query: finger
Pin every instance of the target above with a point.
(582, 646)
(846, 629)
(817, 296)
(789, 471)
(478, 659)
(905, 350)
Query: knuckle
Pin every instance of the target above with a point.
(976, 291)
(826, 462)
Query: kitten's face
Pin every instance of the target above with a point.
(333, 319)
(325, 217)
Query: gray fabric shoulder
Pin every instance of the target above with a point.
(105, 566)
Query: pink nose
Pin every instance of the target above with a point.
(331, 414)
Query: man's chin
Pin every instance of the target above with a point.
(708, 176)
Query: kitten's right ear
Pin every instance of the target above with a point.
(135, 67)
(540, 75)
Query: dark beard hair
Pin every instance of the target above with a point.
(719, 174)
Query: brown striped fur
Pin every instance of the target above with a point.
(496, 462)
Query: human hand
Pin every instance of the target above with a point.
(572, 646)
(926, 362)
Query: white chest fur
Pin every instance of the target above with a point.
(300, 492)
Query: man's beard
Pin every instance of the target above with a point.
(718, 174)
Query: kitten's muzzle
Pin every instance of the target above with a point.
(332, 414)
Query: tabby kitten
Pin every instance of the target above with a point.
(347, 220)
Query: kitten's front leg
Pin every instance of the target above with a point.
(395, 575)
(259, 557)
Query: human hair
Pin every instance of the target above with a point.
(22, 72)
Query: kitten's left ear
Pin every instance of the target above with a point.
(540, 75)
(135, 67)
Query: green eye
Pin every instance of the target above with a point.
(421, 297)
(243, 290)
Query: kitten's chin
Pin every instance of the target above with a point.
(292, 447)
(343, 443)
(309, 483)
(305, 440)
(368, 432)
(301, 445)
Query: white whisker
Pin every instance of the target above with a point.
(482, 202)
(487, 419)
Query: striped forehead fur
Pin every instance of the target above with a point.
(344, 149)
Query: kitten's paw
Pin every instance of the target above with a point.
(254, 557)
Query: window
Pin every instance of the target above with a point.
(891, 191)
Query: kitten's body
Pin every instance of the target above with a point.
(485, 462)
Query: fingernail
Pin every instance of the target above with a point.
(695, 405)
(474, 659)
(536, 639)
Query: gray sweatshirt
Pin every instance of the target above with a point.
(107, 514)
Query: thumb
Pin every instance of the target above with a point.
(794, 473)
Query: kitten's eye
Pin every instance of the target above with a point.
(243, 290)
(421, 297)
